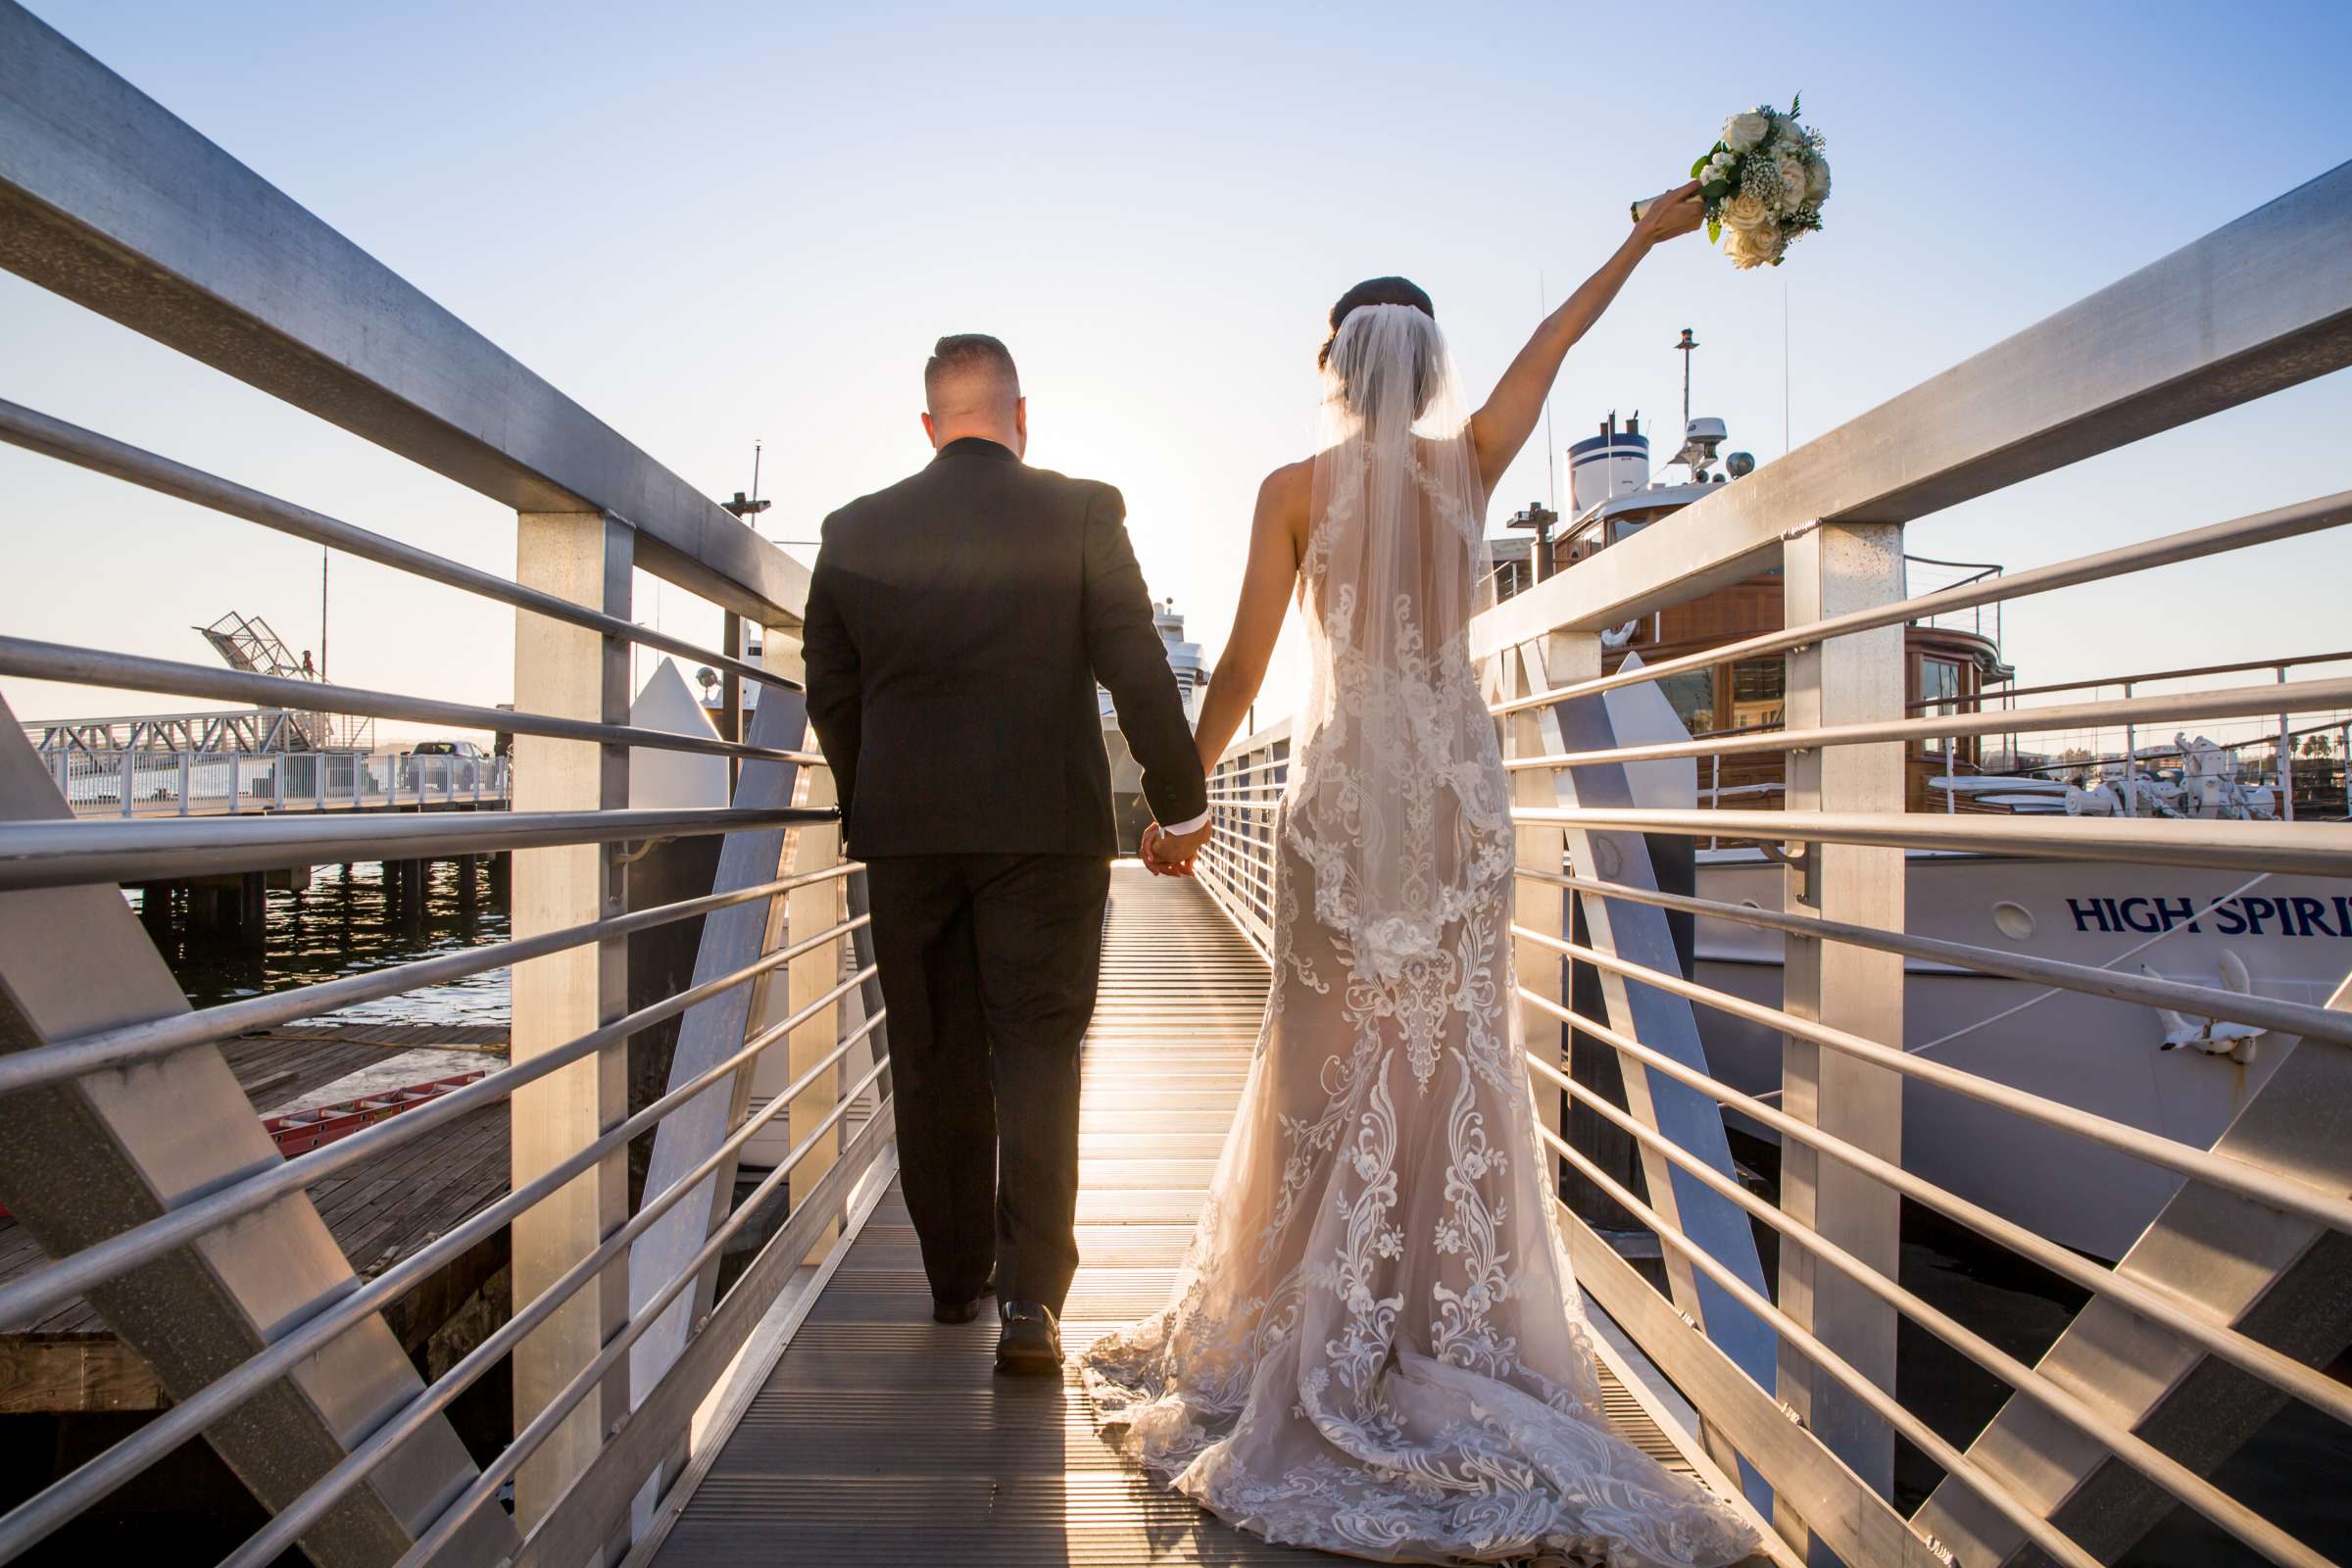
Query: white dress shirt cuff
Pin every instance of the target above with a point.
(1180, 829)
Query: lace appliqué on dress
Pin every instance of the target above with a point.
(1376, 1345)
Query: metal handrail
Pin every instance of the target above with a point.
(2135, 1451)
(98, 666)
(2191, 543)
(95, 1264)
(37, 1516)
(159, 1037)
(39, 432)
(2235, 701)
(2321, 1391)
(2203, 1002)
(2319, 849)
(288, 1523)
(2314, 1204)
(2191, 672)
(114, 189)
(1880, 1402)
(47, 853)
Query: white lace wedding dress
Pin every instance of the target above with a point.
(1376, 1345)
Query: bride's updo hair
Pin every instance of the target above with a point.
(1374, 291)
(1380, 291)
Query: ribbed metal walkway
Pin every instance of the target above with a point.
(882, 1438)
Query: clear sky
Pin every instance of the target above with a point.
(712, 223)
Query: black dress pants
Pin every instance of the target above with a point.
(989, 964)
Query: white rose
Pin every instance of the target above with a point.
(1743, 131)
(1817, 180)
(1743, 213)
(1750, 247)
(1792, 181)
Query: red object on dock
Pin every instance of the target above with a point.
(301, 1131)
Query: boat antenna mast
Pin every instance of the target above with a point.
(745, 508)
(1686, 348)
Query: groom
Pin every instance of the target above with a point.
(957, 623)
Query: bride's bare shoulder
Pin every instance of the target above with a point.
(1288, 482)
(1284, 497)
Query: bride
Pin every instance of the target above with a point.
(1376, 1345)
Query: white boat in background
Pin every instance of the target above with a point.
(2284, 937)
(1127, 802)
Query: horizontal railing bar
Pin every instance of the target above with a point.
(1885, 1404)
(2296, 697)
(2163, 1470)
(1244, 920)
(2203, 1002)
(2191, 543)
(1248, 866)
(2175, 1312)
(32, 1520)
(74, 1275)
(484, 1492)
(323, 1494)
(2305, 849)
(2263, 1186)
(138, 1042)
(128, 210)
(64, 854)
(2141, 676)
(99, 666)
(100, 454)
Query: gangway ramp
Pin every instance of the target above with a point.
(880, 1436)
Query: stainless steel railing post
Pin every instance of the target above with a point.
(573, 672)
(1831, 571)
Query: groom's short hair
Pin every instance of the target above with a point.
(973, 356)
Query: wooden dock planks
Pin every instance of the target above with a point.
(883, 1438)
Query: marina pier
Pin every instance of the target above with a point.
(471, 1331)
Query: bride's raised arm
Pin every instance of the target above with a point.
(1502, 427)
(1276, 533)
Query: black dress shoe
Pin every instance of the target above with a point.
(943, 1310)
(1031, 1344)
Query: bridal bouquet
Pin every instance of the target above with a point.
(1763, 183)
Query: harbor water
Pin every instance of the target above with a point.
(345, 924)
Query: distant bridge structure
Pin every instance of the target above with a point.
(246, 643)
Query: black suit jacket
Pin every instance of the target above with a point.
(957, 623)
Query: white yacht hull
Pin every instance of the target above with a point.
(2293, 935)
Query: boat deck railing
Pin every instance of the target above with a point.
(134, 1159)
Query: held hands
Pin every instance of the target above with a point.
(1677, 212)
(1167, 854)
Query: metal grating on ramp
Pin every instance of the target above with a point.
(883, 1438)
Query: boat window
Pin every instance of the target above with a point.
(1758, 688)
(1692, 694)
(1938, 690)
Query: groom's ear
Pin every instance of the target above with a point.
(930, 432)
(1020, 426)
